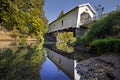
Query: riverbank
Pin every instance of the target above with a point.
(52, 46)
(7, 37)
(100, 40)
(105, 67)
(8, 44)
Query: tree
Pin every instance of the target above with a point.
(22, 14)
(99, 9)
(64, 40)
(118, 8)
(61, 14)
(15, 33)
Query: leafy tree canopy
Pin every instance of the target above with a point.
(61, 14)
(23, 15)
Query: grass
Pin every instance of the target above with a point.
(105, 45)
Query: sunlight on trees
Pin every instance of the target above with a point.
(24, 16)
(20, 61)
(64, 41)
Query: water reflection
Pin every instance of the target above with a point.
(27, 62)
(64, 41)
(76, 73)
(59, 69)
(21, 62)
(50, 71)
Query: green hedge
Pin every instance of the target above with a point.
(105, 45)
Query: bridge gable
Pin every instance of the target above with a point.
(85, 12)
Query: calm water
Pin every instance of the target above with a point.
(33, 62)
(50, 71)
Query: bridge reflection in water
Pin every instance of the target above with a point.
(64, 63)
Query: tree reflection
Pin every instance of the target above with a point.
(64, 41)
(21, 63)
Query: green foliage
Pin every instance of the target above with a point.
(37, 26)
(103, 35)
(24, 16)
(15, 33)
(65, 47)
(115, 31)
(22, 40)
(102, 27)
(66, 37)
(109, 26)
(21, 63)
(61, 14)
(101, 46)
(64, 40)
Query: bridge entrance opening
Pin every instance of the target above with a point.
(85, 18)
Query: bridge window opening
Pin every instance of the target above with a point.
(54, 26)
(62, 22)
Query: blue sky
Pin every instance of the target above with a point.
(53, 7)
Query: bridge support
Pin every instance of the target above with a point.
(79, 31)
(76, 32)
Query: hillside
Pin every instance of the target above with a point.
(103, 34)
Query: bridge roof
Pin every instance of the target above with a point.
(86, 4)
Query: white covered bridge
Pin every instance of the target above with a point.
(75, 20)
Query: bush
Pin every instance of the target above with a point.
(22, 41)
(65, 41)
(105, 45)
(103, 27)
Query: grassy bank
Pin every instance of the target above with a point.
(103, 35)
(105, 45)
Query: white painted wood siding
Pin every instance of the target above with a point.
(69, 20)
(80, 11)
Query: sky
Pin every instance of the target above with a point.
(54, 7)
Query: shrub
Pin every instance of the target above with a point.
(103, 27)
(105, 45)
(22, 41)
(115, 31)
(64, 41)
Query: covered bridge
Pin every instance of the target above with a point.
(74, 20)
